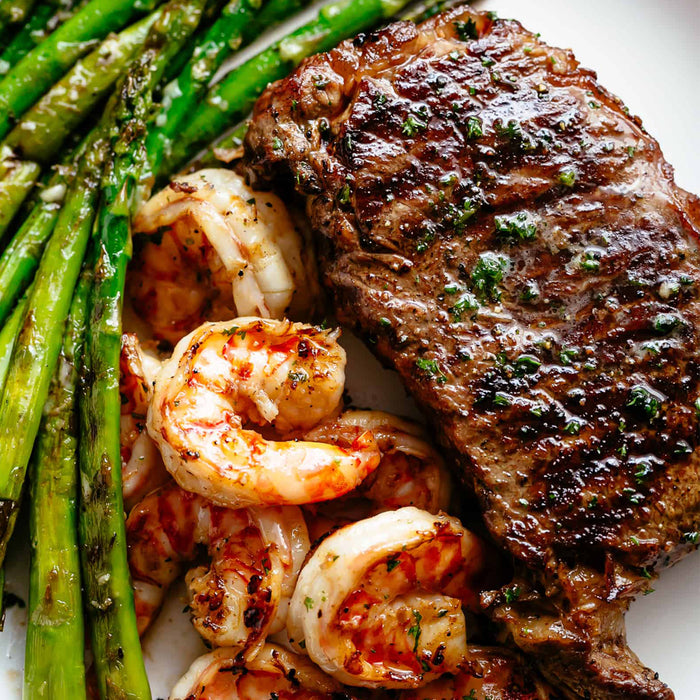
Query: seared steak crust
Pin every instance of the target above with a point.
(512, 242)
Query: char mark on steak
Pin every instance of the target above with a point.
(512, 242)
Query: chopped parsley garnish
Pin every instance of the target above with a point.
(277, 144)
(488, 274)
(642, 472)
(501, 399)
(424, 243)
(645, 401)
(568, 355)
(665, 323)
(415, 631)
(299, 376)
(682, 447)
(451, 288)
(512, 130)
(589, 262)
(432, 369)
(633, 497)
(517, 227)
(308, 603)
(320, 83)
(573, 427)
(384, 321)
(344, 195)
(412, 126)
(512, 594)
(392, 563)
(466, 30)
(474, 128)
(538, 410)
(567, 178)
(531, 292)
(464, 214)
(527, 364)
(467, 302)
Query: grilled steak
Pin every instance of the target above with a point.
(502, 233)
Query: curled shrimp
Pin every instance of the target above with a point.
(256, 554)
(225, 376)
(142, 467)
(410, 473)
(215, 249)
(379, 603)
(273, 673)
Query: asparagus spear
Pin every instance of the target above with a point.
(8, 337)
(54, 666)
(21, 257)
(232, 98)
(240, 22)
(42, 21)
(114, 634)
(44, 128)
(38, 346)
(43, 66)
(16, 180)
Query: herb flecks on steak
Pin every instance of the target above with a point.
(512, 242)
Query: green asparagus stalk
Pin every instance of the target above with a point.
(8, 337)
(114, 635)
(17, 177)
(232, 98)
(240, 22)
(43, 66)
(54, 666)
(20, 259)
(39, 342)
(44, 128)
(42, 21)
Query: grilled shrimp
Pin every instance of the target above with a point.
(273, 673)
(256, 554)
(215, 249)
(142, 467)
(379, 603)
(410, 473)
(226, 376)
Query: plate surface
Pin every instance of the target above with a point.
(647, 53)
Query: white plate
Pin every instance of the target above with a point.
(647, 52)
